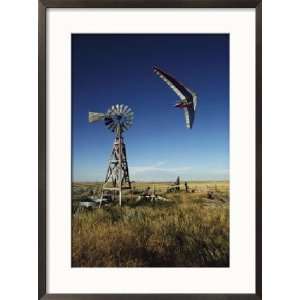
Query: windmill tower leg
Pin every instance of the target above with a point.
(117, 172)
(120, 150)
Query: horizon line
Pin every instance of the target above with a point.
(134, 181)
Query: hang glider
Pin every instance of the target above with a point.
(188, 99)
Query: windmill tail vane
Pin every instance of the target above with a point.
(94, 117)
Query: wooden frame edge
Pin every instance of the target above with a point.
(258, 149)
(42, 150)
(42, 276)
(150, 3)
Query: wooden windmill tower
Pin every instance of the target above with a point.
(118, 119)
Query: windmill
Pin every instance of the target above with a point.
(117, 119)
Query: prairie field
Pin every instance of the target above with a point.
(187, 229)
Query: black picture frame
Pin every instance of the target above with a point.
(42, 221)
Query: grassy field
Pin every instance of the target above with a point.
(189, 230)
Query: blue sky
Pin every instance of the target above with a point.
(117, 69)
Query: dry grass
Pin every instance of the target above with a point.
(190, 231)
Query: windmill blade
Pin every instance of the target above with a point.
(108, 120)
(111, 125)
(129, 119)
(113, 128)
(128, 124)
(122, 126)
(125, 126)
(113, 109)
(121, 108)
(94, 117)
(130, 114)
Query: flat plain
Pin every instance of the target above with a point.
(181, 229)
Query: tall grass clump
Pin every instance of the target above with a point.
(184, 234)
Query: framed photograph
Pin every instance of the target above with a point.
(150, 149)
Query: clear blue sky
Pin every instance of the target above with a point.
(117, 69)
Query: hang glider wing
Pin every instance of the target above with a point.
(176, 86)
(94, 116)
(189, 115)
(194, 98)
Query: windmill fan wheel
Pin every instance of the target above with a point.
(119, 116)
